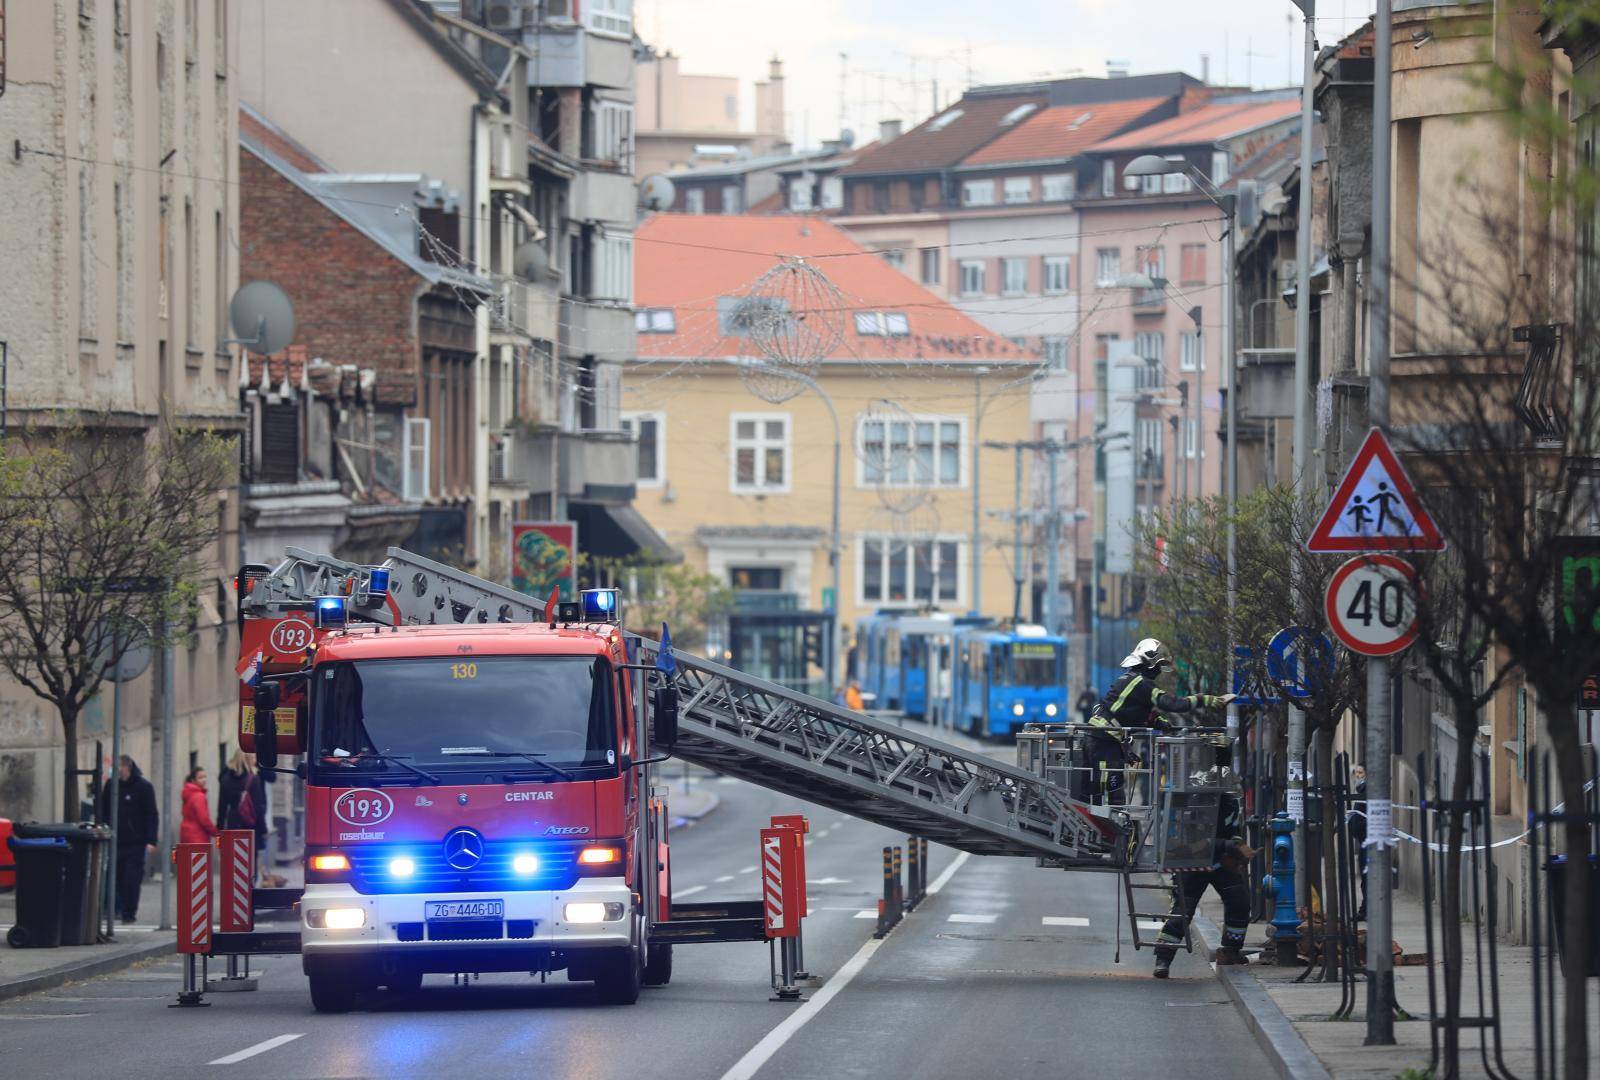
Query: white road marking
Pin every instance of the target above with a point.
(866, 913)
(747, 869)
(259, 1048)
(841, 823)
(722, 879)
(949, 872)
(1065, 920)
(828, 881)
(690, 891)
(971, 918)
(759, 1054)
(43, 1016)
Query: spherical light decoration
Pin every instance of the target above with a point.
(919, 523)
(794, 316)
(902, 500)
(769, 382)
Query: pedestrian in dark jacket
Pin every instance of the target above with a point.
(138, 831)
(242, 802)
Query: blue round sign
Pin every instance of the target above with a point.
(1300, 660)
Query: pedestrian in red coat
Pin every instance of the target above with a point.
(196, 826)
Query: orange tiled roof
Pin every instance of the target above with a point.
(1209, 123)
(943, 139)
(1064, 131)
(686, 262)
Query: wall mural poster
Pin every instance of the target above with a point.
(544, 555)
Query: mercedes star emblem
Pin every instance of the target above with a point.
(463, 849)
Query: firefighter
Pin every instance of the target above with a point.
(1230, 862)
(1134, 701)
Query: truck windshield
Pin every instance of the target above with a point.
(464, 714)
(1034, 664)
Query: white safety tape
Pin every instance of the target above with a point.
(1373, 805)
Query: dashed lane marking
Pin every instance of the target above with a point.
(43, 1016)
(1065, 920)
(747, 869)
(960, 918)
(690, 891)
(722, 880)
(866, 913)
(259, 1048)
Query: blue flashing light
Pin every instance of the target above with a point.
(599, 605)
(378, 580)
(525, 865)
(330, 611)
(402, 867)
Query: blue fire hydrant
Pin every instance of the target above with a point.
(1280, 884)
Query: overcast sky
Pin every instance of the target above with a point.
(896, 49)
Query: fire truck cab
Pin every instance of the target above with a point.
(475, 801)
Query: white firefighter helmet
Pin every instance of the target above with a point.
(1148, 653)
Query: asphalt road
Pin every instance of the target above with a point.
(975, 983)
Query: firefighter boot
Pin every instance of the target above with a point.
(1228, 955)
(1163, 965)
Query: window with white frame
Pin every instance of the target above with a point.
(1219, 167)
(655, 321)
(417, 458)
(1191, 438)
(1055, 352)
(977, 193)
(925, 451)
(1147, 447)
(894, 571)
(1057, 278)
(832, 192)
(930, 266)
(649, 430)
(1108, 178)
(613, 277)
(972, 277)
(1191, 351)
(895, 257)
(1019, 189)
(1013, 276)
(1153, 261)
(694, 201)
(1148, 185)
(1107, 266)
(945, 119)
(610, 16)
(882, 324)
(613, 133)
(1175, 183)
(760, 459)
(800, 194)
(1059, 187)
(1151, 347)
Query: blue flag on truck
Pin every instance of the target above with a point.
(664, 661)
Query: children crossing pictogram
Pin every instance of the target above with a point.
(1375, 507)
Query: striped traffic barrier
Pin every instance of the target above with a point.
(192, 866)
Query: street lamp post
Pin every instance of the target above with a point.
(1227, 202)
(974, 556)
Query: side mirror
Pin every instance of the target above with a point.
(266, 706)
(664, 726)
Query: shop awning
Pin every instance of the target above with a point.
(618, 531)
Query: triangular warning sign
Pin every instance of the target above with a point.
(1375, 507)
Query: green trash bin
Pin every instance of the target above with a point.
(41, 872)
(87, 846)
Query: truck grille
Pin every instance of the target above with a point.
(370, 874)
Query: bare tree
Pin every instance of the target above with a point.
(99, 524)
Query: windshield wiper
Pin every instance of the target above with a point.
(530, 755)
(403, 763)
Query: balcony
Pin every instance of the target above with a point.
(1149, 301)
(571, 55)
(503, 460)
(590, 464)
(601, 194)
(597, 329)
(1266, 384)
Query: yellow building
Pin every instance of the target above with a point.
(744, 486)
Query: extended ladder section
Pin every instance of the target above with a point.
(765, 733)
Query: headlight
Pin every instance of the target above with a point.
(338, 918)
(525, 864)
(1050, 709)
(402, 867)
(591, 912)
(1017, 710)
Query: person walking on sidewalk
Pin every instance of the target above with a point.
(1356, 825)
(1230, 860)
(138, 831)
(196, 826)
(242, 804)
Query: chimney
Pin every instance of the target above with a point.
(770, 104)
(1205, 69)
(888, 130)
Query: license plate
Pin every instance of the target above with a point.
(445, 910)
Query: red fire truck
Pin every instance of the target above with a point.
(477, 791)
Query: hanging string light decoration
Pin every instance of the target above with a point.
(794, 316)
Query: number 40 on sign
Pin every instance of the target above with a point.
(1371, 604)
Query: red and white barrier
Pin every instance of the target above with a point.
(193, 865)
(238, 848)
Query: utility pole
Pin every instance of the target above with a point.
(1380, 964)
(1052, 596)
(1016, 541)
(164, 855)
(1302, 427)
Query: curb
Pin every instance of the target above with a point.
(50, 978)
(684, 821)
(1291, 1058)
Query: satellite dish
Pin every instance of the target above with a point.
(262, 316)
(530, 261)
(656, 192)
(847, 138)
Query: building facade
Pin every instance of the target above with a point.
(120, 217)
(689, 121)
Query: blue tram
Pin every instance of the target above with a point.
(1003, 679)
(876, 655)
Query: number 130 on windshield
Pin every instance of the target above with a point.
(464, 671)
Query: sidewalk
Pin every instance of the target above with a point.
(691, 797)
(1269, 996)
(25, 971)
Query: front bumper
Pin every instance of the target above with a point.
(389, 916)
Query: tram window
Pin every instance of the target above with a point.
(1035, 664)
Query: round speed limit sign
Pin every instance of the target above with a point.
(1371, 604)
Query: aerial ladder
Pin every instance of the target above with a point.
(769, 735)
